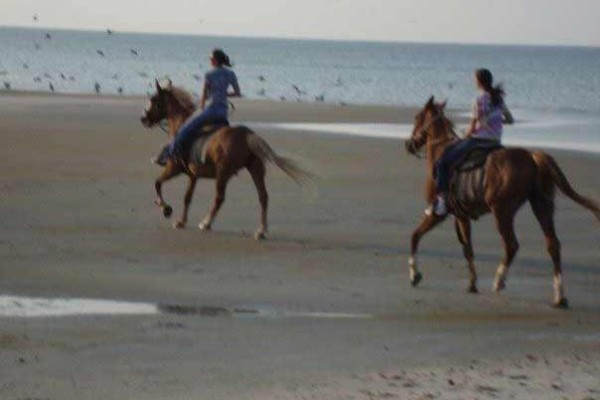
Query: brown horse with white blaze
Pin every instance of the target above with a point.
(512, 177)
(226, 151)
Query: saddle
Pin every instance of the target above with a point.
(194, 150)
(467, 182)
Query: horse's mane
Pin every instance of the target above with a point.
(184, 98)
(449, 123)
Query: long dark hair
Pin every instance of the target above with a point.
(486, 80)
(221, 58)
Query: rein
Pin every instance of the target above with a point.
(424, 129)
(162, 125)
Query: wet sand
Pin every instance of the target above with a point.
(322, 309)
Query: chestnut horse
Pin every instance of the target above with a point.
(512, 176)
(225, 152)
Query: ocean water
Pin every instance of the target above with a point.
(554, 91)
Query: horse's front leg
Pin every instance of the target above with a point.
(463, 231)
(186, 202)
(169, 172)
(428, 223)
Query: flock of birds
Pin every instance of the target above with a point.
(298, 93)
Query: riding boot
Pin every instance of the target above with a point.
(438, 207)
(162, 157)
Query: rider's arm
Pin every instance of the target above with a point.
(508, 118)
(204, 95)
(473, 122)
(236, 87)
(471, 128)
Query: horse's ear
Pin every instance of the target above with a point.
(429, 102)
(170, 84)
(158, 88)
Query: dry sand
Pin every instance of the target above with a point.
(77, 220)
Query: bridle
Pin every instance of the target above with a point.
(424, 133)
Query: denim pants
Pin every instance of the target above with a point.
(449, 157)
(191, 127)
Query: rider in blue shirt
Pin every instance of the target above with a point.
(214, 93)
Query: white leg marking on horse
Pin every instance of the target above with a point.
(205, 224)
(500, 278)
(558, 287)
(412, 264)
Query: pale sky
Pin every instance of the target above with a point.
(567, 22)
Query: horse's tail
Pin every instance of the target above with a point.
(549, 167)
(261, 149)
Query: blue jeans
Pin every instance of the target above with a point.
(450, 156)
(192, 126)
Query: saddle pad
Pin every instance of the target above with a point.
(199, 149)
(466, 195)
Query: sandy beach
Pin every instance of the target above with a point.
(323, 309)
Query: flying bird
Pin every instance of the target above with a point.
(35, 17)
(97, 87)
(299, 91)
(100, 52)
(7, 85)
(51, 86)
(134, 52)
(48, 36)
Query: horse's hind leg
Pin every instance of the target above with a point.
(428, 223)
(221, 183)
(463, 231)
(257, 171)
(543, 208)
(505, 223)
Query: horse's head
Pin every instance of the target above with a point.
(427, 123)
(156, 107)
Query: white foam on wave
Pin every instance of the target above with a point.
(393, 131)
(19, 306)
(523, 135)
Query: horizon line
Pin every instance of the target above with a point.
(302, 38)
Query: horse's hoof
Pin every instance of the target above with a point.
(167, 211)
(499, 286)
(562, 304)
(416, 279)
(204, 226)
(260, 235)
(472, 289)
(179, 225)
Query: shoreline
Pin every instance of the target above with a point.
(331, 119)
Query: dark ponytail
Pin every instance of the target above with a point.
(485, 79)
(221, 58)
